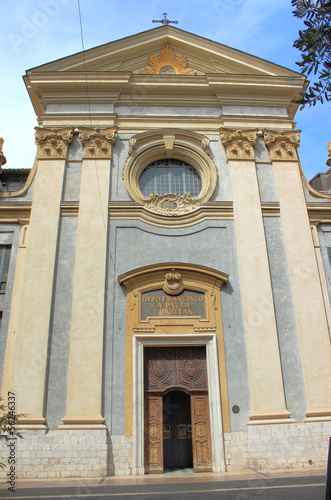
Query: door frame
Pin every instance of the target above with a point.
(215, 411)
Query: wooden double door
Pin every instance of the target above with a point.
(177, 430)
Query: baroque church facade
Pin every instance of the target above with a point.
(165, 278)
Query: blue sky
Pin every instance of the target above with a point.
(39, 31)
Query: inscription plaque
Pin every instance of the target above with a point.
(160, 304)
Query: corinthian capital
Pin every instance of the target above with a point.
(97, 142)
(3, 160)
(53, 142)
(282, 145)
(239, 144)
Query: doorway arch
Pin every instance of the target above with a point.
(178, 285)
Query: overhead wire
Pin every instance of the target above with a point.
(89, 111)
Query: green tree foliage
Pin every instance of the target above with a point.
(314, 42)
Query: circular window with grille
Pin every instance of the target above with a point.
(170, 176)
(169, 171)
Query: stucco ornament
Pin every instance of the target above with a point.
(3, 160)
(328, 161)
(239, 144)
(173, 284)
(167, 63)
(53, 143)
(282, 145)
(97, 142)
(171, 204)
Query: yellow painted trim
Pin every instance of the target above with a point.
(155, 145)
(15, 194)
(15, 212)
(194, 277)
(308, 186)
(319, 213)
(207, 211)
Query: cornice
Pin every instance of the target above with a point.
(270, 209)
(319, 213)
(155, 269)
(11, 212)
(136, 211)
(162, 90)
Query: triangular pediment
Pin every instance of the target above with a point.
(192, 54)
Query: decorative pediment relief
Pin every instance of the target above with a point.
(282, 145)
(53, 143)
(167, 64)
(97, 142)
(239, 144)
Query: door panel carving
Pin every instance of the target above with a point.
(180, 367)
(200, 433)
(153, 434)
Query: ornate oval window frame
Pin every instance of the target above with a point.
(155, 145)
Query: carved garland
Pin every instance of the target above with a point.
(239, 144)
(282, 145)
(53, 143)
(171, 204)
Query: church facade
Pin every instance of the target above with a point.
(165, 288)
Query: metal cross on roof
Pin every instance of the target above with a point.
(165, 20)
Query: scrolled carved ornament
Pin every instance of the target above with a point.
(282, 145)
(239, 144)
(97, 142)
(173, 284)
(53, 142)
(171, 204)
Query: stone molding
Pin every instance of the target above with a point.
(282, 145)
(97, 142)
(239, 145)
(53, 142)
(167, 59)
(3, 159)
(160, 144)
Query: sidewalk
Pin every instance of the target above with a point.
(167, 478)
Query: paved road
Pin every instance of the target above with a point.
(264, 488)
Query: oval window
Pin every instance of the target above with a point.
(170, 176)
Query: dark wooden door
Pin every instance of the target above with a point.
(181, 370)
(153, 434)
(177, 430)
(201, 433)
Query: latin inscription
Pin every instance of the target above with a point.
(158, 303)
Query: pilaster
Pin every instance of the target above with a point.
(267, 406)
(306, 287)
(84, 389)
(35, 297)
